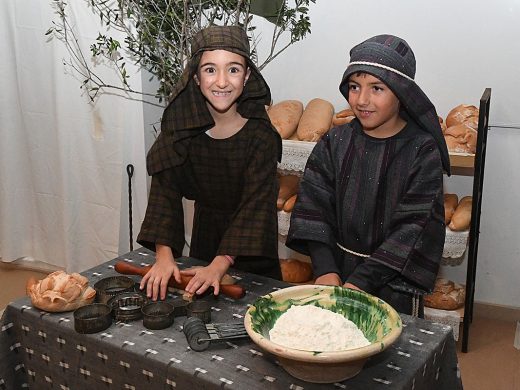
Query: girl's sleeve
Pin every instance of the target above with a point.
(164, 219)
(253, 230)
(413, 246)
(313, 218)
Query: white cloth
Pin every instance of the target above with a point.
(63, 181)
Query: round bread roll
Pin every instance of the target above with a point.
(59, 292)
(446, 295)
(460, 113)
(295, 271)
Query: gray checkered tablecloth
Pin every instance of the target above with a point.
(40, 350)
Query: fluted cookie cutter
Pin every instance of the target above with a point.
(127, 306)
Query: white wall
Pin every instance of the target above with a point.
(461, 48)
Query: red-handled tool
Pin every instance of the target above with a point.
(234, 291)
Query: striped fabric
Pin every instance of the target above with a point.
(382, 197)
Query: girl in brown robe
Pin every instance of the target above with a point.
(218, 148)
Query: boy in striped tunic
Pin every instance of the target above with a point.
(370, 209)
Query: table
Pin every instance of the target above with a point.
(42, 350)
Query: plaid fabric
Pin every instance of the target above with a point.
(187, 115)
(233, 182)
(381, 197)
(395, 53)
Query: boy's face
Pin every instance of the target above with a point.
(221, 75)
(375, 105)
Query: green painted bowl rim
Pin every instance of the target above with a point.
(394, 320)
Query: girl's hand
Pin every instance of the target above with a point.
(352, 286)
(204, 277)
(330, 279)
(156, 280)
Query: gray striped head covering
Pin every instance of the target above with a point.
(187, 115)
(390, 59)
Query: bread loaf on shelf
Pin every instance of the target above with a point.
(289, 204)
(450, 204)
(460, 114)
(446, 295)
(60, 292)
(288, 188)
(342, 117)
(285, 116)
(315, 120)
(461, 218)
(295, 271)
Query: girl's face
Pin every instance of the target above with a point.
(375, 105)
(221, 76)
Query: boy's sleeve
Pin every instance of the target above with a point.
(164, 219)
(313, 219)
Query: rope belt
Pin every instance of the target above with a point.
(350, 251)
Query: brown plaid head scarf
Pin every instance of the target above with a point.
(390, 59)
(187, 114)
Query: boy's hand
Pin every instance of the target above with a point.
(330, 279)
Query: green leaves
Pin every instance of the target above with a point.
(157, 33)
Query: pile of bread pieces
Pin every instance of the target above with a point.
(59, 292)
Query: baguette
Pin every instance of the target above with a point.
(285, 116)
(450, 204)
(288, 188)
(315, 120)
(461, 218)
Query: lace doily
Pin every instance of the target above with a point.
(294, 156)
(454, 247)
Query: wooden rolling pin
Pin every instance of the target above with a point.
(234, 291)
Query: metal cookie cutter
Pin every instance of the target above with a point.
(92, 318)
(200, 335)
(158, 315)
(107, 288)
(127, 306)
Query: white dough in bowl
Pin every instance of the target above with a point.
(311, 328)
